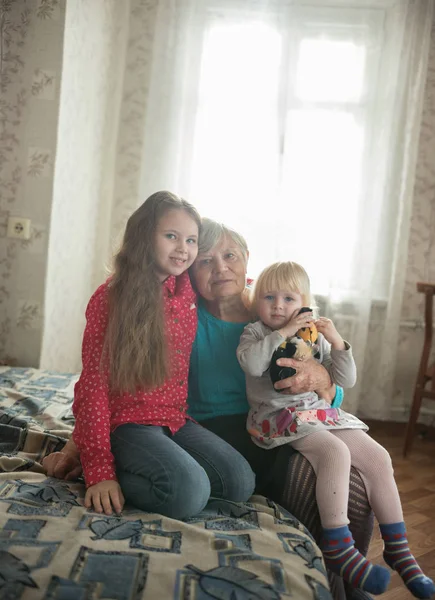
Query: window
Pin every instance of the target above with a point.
(284, 130)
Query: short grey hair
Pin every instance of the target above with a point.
(213, 231)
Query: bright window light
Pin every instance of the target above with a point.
(235, 163)
(320, 192)
(289, 179)
(330, 71)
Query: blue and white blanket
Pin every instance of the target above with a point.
(52, 548)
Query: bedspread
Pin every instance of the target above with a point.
(51, 547)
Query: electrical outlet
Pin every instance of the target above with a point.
(18, 228)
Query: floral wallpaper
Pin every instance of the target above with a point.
(31, 41)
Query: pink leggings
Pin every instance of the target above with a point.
(331, 454)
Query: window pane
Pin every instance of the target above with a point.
(320, 194)
(330, 71)
(301, 205)
(235, 162)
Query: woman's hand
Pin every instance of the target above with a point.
(102, 496)
(310, 376)
(63, 465)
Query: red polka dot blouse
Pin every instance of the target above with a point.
(98, 411)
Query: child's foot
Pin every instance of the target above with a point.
(398, 556)
(343, 558)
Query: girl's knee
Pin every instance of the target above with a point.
(335, 451)
(383, 458)
(374, 459)
(240, 480)
(178, 494)
(191, 494)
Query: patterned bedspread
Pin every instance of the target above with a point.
(52, 548)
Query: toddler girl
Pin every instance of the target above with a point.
(331, 439)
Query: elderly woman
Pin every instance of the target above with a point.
(217, 397)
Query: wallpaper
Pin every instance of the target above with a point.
(31, 39)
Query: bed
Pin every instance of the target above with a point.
(52, 548)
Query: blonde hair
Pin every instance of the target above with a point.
(135, 348)
(283, 276)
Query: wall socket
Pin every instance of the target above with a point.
(18, 228)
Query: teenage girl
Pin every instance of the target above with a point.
(135, 439)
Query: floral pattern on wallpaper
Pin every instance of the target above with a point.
(48, 9)
(38, 162)
(31, 41)
(43, 84)
(28, 315)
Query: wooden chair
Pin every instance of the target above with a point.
(426, 372)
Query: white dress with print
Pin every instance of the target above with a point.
(274, 418)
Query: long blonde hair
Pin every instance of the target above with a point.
(135, 350)
(283, 276)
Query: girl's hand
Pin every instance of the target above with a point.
(327, 328)
(297, 321)
(62, 465)
(103, 496)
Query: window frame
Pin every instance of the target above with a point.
(382, 25)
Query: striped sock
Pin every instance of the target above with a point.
(343, 558)
(398, 556)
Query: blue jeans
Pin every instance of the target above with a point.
(175, 475)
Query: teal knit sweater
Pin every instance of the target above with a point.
(217, 384)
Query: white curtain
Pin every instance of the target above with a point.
(104, 90)
(298, 124)
(381, 349)
(294, 121)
